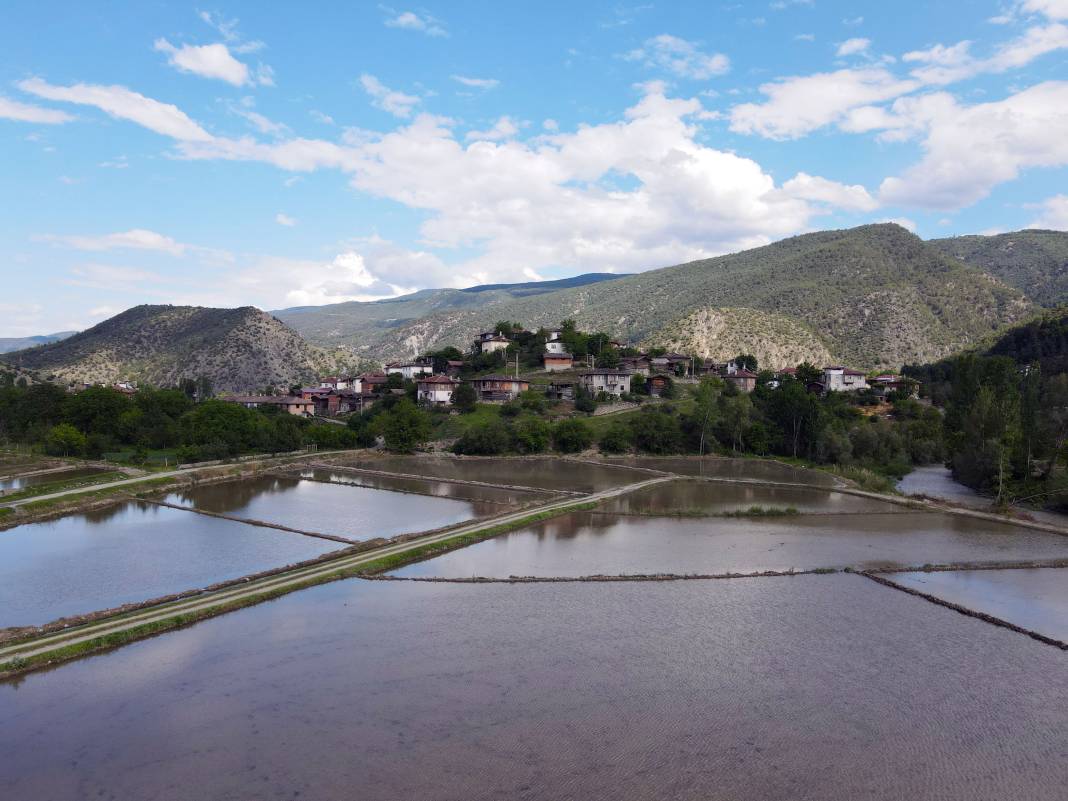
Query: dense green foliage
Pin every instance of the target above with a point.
(1034, 262)
(101, 420)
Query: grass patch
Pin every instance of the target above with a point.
(60, 486)
(867, 479)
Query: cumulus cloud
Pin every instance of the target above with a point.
(679, 57)
(851, 47)
(122, 103)
(396, 103)
(24, 112)
(207, 61)
(968, 150)
(1054, 214)
(821, 190)
(414, 21)
(1054, 9)
(943, 64)
(504, 128)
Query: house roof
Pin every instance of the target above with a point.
(605, 371)
(852, 372)
(496, 338)
(742, 374)
(278, 400)
(438, 379)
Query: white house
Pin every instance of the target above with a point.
(410, 370)
(614, 382)
(842, 379)
(493, 343)
(555, 346)
(335, 382)
(436, 390)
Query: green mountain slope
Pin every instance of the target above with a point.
(364, 322)
(875, 296)
(238, 349)
(1034, 261)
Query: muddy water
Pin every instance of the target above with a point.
(735, 469)
(348, 511)
(23, 482)
(586, 543)
(133, 552)
(1033, 599)
(547, 473)
(803, 688)
(717, 498)
(439, 489)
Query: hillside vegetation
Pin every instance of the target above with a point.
(722, 334)
(1034, 262)
(237, 349)
(876, 296)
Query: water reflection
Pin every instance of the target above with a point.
(24, 482)
(586, 543)
(545, 473)
(127, 553)
(1032, 599)
(817, 687)
(717, 498)
(439, 489)
(345, 510)
(734, 469)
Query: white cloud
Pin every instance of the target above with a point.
(318, 116)
(284, 219)
(1054, 215)
(134, 239)
(477, 83)
(24, 112)
(799, 105)
(260, 122)
(550, 125)
(104, 311)
(207, 61)
(396, 103)
(821, 190)
(968, 150)
(851, 47)
(114, 279)
(947, 64)
(504, 128)
(1054, 9)
(679, 57)
(414, 21)
(122, 103)
(904, 222)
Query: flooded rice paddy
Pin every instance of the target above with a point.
(355, 512)
(15, 483)
(545, 473)
(1036, 600)
(733, 469)
(807, 687)
(130, 553)
(793, 687)
(589, 543)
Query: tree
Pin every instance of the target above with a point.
(65, 440)
(797, 413)
(465, 398)
(584, 400)
(617, 438)
(746, 361)
(405, 426)
(807, 373)
(704, 415)
(531, 434)
(97, 410)
(736, 412)
(572, 436)
(656, 430)
(487, 438)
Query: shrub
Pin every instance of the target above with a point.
(617, 438)
(531, 434)
(485, 439)
(464, 398)
(572, 436)
(65, 440)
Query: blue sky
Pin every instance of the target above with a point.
(250, 153)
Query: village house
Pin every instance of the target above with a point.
(657, 384)
(635, 364)
(613, 382)
(554, 334)
(287, 403)
(453, 367)
(335, 382)
(498, 388)
(886, 383)
(842, 379)
(555, 362)
(373, 382)
(492, 343)
(555, 346)
(561, 390)
(744, 379)
(436, 390)
(410, 370)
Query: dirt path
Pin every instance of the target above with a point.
(293, 579)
